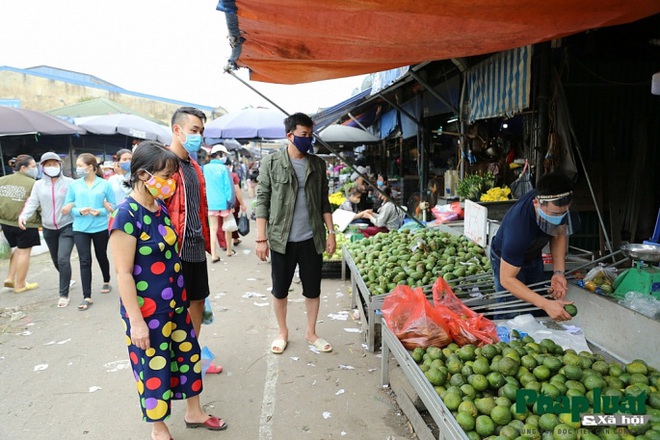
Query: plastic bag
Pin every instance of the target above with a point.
(601, 274)
(229, 223)
(643, 303)
(448, 213)
(465, 325)
(5, 248)
(243, 224)
(413, 320)
(523, 184)
(569, 336)
(207, 314)
(207, 358)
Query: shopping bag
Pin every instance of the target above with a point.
(465, 325)
(229, 224)
(523, 184)
(413, 320)
(207, 314)
(207, 358)
(243, 224)
(5, 248)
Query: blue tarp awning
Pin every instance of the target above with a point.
(330, 115)
(500, 85)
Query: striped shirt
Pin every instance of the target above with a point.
(192, 249)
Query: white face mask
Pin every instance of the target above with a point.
(52, 171)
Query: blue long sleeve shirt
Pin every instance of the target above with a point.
(82, 196)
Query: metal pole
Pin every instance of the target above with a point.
(2, 158)
(428, 87)
(356, 121)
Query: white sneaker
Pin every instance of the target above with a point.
(71, 283)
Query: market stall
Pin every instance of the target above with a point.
(413, 258)
(617, 360)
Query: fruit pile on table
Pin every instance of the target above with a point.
(416, 258)
(480, 387)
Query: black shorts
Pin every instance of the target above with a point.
(195, 279)
(283, 266)
(22, 239)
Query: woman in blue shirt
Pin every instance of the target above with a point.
(87, 198)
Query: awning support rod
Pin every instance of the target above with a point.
(357, 122)
(401, 109)
(332, 150)
(430, 89)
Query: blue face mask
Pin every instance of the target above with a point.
(303, 144)
(193, 142)
(379, 183)
(552, 219)
(126, 166)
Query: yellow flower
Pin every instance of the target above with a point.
(337, 198)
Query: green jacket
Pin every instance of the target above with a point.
(14, 191)
(276, 198)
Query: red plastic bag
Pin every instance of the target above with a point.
(448, 213)
(413, 319)
(465, 325)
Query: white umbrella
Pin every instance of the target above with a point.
(250, 123)
(346, 134)
(126, 124)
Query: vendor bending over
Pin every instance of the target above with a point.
(539, 217)
(388, 218)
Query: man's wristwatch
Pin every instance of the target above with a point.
(333, 232)
(558, 272)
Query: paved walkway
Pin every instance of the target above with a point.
(65, 374)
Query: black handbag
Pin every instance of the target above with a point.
(243, 224)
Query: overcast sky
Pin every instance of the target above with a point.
(170, 48)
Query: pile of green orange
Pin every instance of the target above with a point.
(479, 386)
(417, 258)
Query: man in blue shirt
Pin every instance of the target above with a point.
(538, 218)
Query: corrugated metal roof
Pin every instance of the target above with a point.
(97, 107)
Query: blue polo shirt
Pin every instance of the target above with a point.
(519, 240)
(85, 197)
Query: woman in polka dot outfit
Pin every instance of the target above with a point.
(162, 345)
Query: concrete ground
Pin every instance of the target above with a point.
(65, 374)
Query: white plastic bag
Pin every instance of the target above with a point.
(229, 223)
(601, 274)
(5, 248)
(572, 337)
(644, 303)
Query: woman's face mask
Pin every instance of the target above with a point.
(32, 172)
(52, 171)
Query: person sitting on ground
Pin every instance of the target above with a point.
(48, 194)
(14, 191)
(388, 218)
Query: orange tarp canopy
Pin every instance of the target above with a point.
(297, 41)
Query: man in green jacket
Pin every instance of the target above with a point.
(293, 212)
